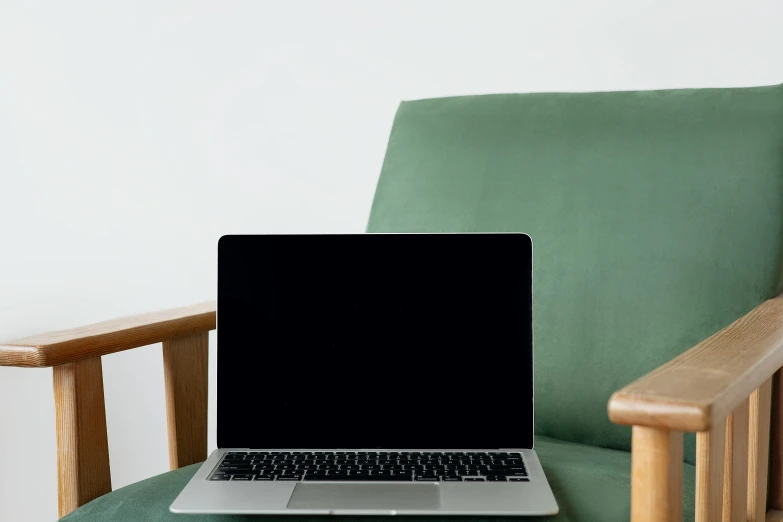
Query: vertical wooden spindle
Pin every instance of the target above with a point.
(735, 484)
(185, 371)
(758, 451)
(710, 454)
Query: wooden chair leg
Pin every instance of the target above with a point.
(185, 371)
(82, 444)
(656, 475)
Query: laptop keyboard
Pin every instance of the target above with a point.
(394, 466)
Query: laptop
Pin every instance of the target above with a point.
(373, 374)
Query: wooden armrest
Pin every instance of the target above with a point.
(56, 348)
(707, 382)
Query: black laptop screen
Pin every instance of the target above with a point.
(375, 341)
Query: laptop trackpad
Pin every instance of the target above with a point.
(365, 496)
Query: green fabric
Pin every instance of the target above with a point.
(589, 483)
(656, 218)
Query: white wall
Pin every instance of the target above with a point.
(134, 134)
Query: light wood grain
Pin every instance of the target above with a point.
(82, 443)
(710, 454)
(774, 515)
(656, 475)
(735, 493)
(711, 379)
(758, 451)
(728, 468)
(91, 341)
(185, 371)
(775, 499)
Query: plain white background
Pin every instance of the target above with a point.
(134, 134)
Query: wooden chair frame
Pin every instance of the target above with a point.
(83, 472)
(727, 389)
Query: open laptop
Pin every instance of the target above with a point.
(373, 374)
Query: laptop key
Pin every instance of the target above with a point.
(242, 477)
(518, 479)
(289, 477)
(265, 477)
(220, 477)
(452, 479)
(473, 479)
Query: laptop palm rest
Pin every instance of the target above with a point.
(365, 496)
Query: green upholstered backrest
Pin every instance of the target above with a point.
(656, 218)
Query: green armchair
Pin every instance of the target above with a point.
(657, 220)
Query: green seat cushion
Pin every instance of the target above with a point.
(589, 484)
(656, 219)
